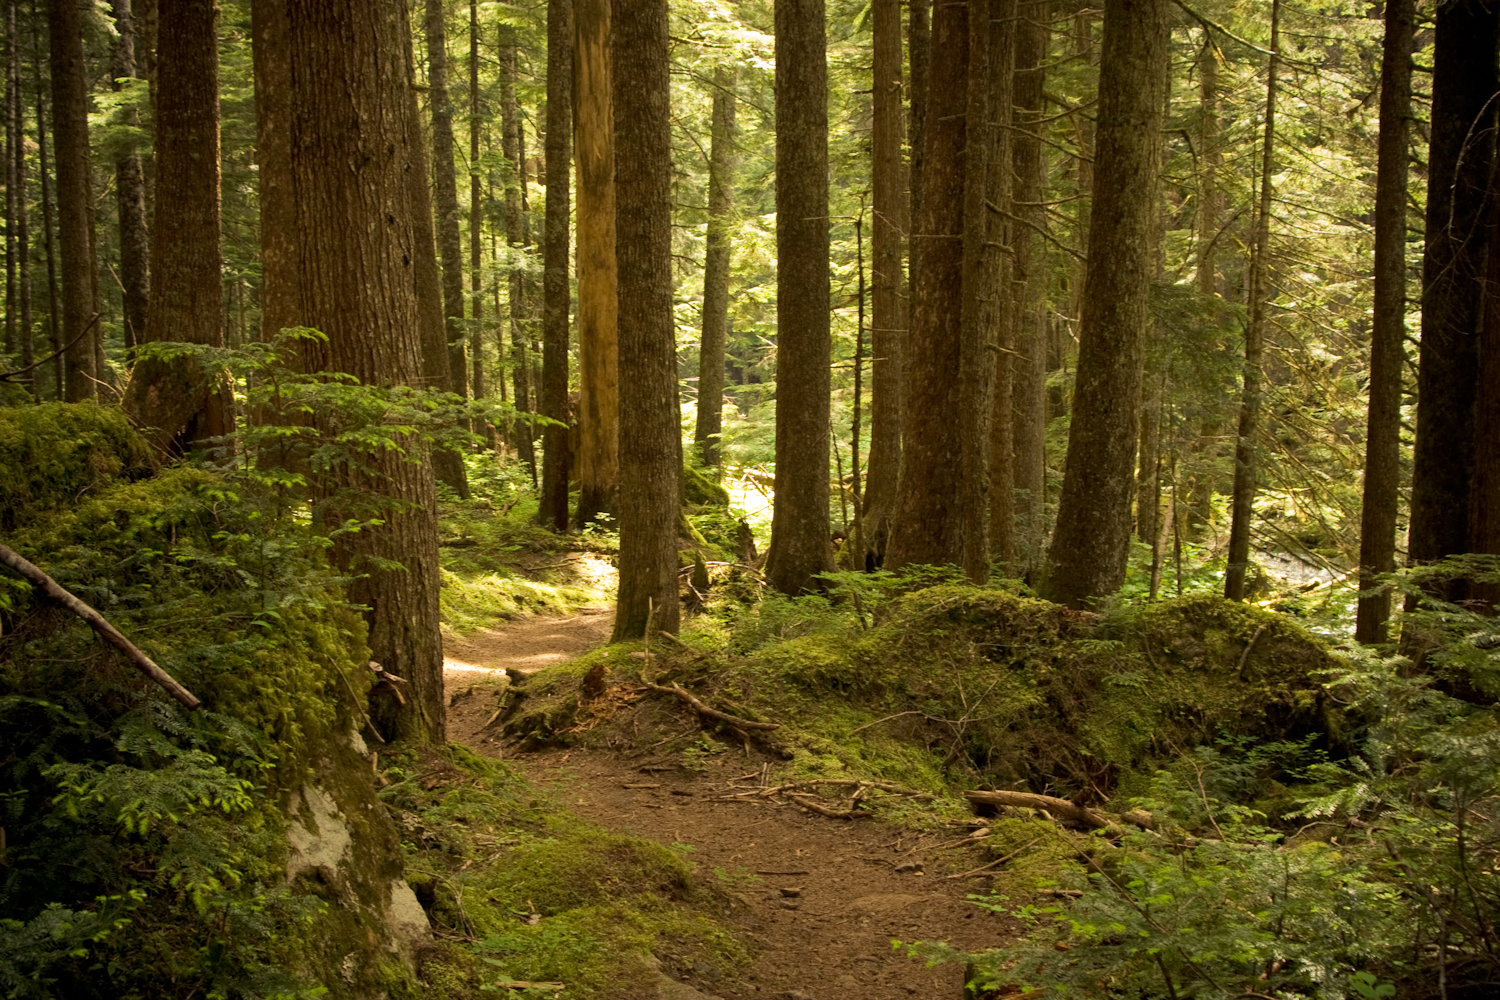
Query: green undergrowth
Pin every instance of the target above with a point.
(520, 890)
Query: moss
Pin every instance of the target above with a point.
(53, 454)
(700, 488)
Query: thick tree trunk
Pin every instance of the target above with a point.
(891, 196)
(179, 402)
(1377, 532)
(556, 294)
(936, 484)
(919, 52)
(445, 196)
(19, 214)
(1459, 164)
(476, 219)
(715, 326)
(75, 202)
(1006, 311)
(650, 441)
(1242, 502)
(801, 547)
(515, 237)
(333, 74)
(598, 458)
(1086, 560)
(1210, 205)
(130, 196)
(1029, 366)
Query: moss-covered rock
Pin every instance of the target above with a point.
(54, 454)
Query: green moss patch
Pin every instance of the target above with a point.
(54, 454)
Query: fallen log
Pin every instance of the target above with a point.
(1064, 811)
(97, 622)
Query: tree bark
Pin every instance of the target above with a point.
(556, 294)
(179, 402)
(19, 215)
(1029, 277)
(935, 485)
(801, 547)
(1459, 165)
(515, 238)
(598, 458)
(130, 196)
(1377, 534)
(445, 196)
(476, 218)
(44, 175)
(1007, 303)
(1210, 206)
(1242, 502)
(334, 75)
(75, 202)
(715, 326)
(1086, 560)
(650, 441)
(891, 197)
(919, 55)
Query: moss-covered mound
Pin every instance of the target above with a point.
(54, 454)
(538, 895)
(970, 685)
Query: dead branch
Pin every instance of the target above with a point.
(97, 622)
(993, 864)
(1061, 809)
(813, 805)
(706, 711)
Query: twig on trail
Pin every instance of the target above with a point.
(993, 864)
(763, 871)
(706, 711)
(50, 588)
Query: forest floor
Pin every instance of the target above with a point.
(823, 899)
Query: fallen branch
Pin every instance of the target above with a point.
(812, 805)
(706, 711)
(97, 622)
(1063, 811)
(993, 864)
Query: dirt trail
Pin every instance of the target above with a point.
(820, 899)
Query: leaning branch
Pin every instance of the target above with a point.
(706, 711)
(96, 621)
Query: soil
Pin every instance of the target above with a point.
(821, 899)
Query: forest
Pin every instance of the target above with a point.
(1051, 448)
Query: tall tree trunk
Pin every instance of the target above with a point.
(1377, 531)
(891, 197)
(179, 402)
(335, 76)
(801, 547)
(1459, 165)
(130, 196)
(935, 478)
(556, 456)
(1029, 296)
(445, 196)
(721, 160)
(12, 135)
(1242, 503)
(515, 237)
(650, 441)
(1086, 560)
(1484, 498)
(44, 175)
(999, 212)
(1210, 205)
(75, 202)
(476, 217)
(598, 458)
(19, 216)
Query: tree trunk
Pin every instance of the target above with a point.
(1242, 503)
(935, 485)
(75, 202)
(1086, 560)
(598, 458)
(445, 196)
(919, 51)
(19, 216)
(179, 402)
(1029, 366)
(515, 237)
(650, 441)
(721, 161)
(1459, 165)
(130, 196)
(1377, 534)
(44, 175)
(556, 294)
(801, 547)
(1210, 205)
(891, 196)
(334, 74)
(476, 217)
(1007, 303)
